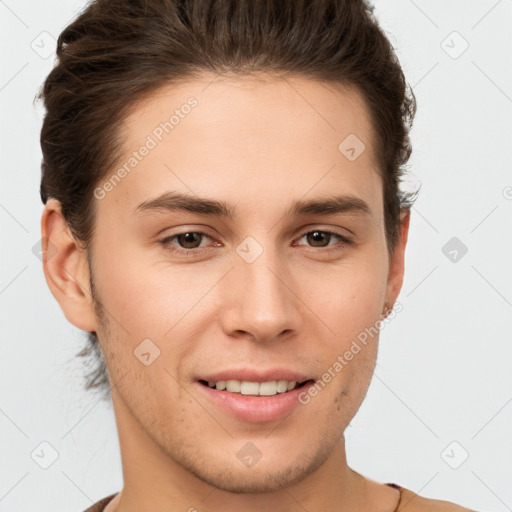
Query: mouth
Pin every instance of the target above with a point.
(254, 401)
(253, 388)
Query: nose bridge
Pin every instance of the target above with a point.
(264, 304)
(263, 284)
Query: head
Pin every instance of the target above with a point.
(286, 124)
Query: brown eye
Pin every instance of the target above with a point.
(187, 243)
(189, 240)
(321, 239)
(318, 238)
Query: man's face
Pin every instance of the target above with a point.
(262, 291)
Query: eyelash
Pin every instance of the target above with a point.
(344, 242)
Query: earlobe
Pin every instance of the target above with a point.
(66, 269)
(397, 262)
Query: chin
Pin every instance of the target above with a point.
(250, 480)
(257, 476)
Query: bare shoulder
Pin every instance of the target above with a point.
(412, 502)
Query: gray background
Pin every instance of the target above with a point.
(442, 389)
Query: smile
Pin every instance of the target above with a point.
(252, 401)
(245, 387)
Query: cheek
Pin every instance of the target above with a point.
(350, 302)
(349, 296)
(151, 297)
(167, 305)
(148, 297)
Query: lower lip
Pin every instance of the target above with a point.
(256, 409)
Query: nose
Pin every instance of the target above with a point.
(263, 304)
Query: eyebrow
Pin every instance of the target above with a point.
(175, 201)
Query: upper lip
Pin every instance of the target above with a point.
(256, 375)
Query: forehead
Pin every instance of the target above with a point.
(252, 106)
(247, 140)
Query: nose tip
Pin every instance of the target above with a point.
(261, 305)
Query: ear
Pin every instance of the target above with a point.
(66, 269)
(396, 264)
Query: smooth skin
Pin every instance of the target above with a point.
(258, 143)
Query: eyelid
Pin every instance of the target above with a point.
(344, 241)
(167, 238)
(327, 229)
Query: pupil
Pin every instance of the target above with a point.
(316, 236)
(188, 237)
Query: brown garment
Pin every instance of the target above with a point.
(414, 503)
(100, 505)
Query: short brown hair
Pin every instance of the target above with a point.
(119, 51)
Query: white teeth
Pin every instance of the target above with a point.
(254, 388)
(268, 388)
(282, 386)
(233, 386)
(249, 388)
